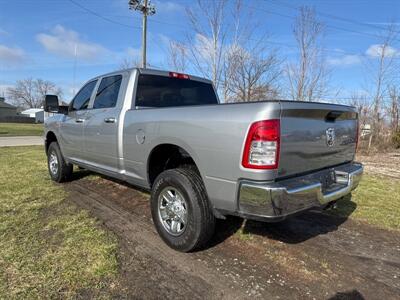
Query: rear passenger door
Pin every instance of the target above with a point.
(101, 126)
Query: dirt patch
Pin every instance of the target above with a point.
(313, 256)
(386, 164)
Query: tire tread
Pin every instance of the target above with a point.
(65, 169)
(209, 226)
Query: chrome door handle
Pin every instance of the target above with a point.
(110, 120)
(79, 120)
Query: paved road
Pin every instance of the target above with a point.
(20, 141)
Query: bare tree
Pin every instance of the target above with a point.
(177, 56)
(394, 108)
(30, 93)
(381, 69)
(206, 45)
(308, 77)
(128, 63)
(364, 110)
(363, 107)
(223, 49)
(252, 74)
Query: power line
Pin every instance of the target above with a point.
(334, 17)
(323, 50)
(249, 39)
(327, 25)
(152, 21)
(113, 21)
(101, 16)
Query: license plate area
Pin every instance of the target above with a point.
(328, 179)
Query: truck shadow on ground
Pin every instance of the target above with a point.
(293, 230)
(353, 295)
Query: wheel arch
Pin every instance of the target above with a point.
(166, 156)
(50, 137)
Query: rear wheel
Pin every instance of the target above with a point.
(59, 169)
(181, 211)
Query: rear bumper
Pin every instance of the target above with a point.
(277, 200)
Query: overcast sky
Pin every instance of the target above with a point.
(38, 38)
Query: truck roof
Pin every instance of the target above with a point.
(152, 72)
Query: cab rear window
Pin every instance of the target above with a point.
(163, 91)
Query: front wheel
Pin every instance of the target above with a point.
(59, 169)
(181, 211)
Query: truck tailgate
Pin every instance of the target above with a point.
(315, 136)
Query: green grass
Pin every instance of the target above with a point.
(376, 201)
(48, 247)
(242, 235)
(17, 129)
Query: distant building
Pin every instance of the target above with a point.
(40, 116)
(38, 113)
(31, 112)
(7, 110)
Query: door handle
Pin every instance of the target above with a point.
(79, 120)
(110, 120)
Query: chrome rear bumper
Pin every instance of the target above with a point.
(277, 200)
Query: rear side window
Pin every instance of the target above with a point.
(162, 91)
(107, 93)
(81, 100)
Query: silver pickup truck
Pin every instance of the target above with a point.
(168, 133)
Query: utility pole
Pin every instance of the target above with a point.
(147, 9)
(144, 36)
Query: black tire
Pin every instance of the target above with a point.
(63, 171)
(200, 223)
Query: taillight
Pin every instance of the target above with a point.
(261, 150)
(178, 75)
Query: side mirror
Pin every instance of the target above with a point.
(51, 105)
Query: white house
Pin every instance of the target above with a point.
(31, 112)
(38, 113)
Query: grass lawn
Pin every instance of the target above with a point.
(48, 247)
(378, 202)
(17, 129)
